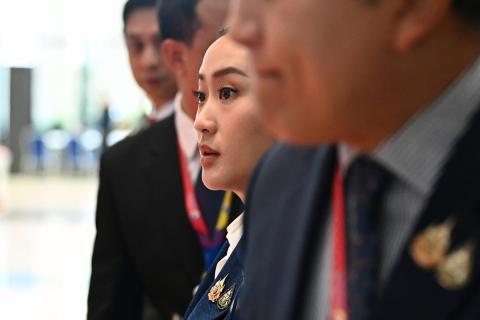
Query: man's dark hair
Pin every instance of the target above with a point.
(178, 20)
(132, 5)
(469, 9)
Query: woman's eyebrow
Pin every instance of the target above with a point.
(229, 70)
(223, 72)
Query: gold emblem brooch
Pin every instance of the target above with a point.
(429, 251)
(454, 271)
(226, 298)
(217, 290)
(429, 248)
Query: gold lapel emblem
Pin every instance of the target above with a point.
(454, 271)
(428, 248)
(217, 290)
(226, 298)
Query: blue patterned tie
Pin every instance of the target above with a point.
(364, 183)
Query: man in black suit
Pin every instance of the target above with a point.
(147, 245)
(383, 220)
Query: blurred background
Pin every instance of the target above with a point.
(66, 93)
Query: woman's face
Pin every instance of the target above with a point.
(230, 136)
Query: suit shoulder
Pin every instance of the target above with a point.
(135, 146)
(285, 157)
(286, 168)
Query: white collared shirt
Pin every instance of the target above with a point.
(187, 137)
(234, 234)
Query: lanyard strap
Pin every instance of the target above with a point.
(197, 221)
(338, 285)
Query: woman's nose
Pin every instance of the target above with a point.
(204, 122)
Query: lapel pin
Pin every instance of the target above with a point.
(217, 290)
(226, 298)
(428, 248)
(454, 271)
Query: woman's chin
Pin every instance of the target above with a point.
(211, 184)
(214, 183)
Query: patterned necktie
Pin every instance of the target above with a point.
(364, 183)
(209, 202)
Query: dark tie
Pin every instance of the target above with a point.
(209, 202)
(364, 183)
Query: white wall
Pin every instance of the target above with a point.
(59, 38)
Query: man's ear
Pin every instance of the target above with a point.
(174, 54)
(417, 19)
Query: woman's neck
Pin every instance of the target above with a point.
(240, 194)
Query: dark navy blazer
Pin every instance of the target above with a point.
(203, 309)
(278, 261)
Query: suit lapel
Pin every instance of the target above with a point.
(207, 281)
(457, 195)
(163, 171)
(290, 262)
(201, 307)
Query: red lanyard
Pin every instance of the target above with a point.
(193, 209)
(338, 285)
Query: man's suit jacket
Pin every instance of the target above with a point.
(145, 244)
(288, 202)
(201, 308)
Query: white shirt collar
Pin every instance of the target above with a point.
(164, 112)
(418, 151)
(234, 234)
(187, 136)
(346, 154)
(235, 231)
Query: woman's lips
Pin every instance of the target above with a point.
(208, 155)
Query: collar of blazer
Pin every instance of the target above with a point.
(201, 307)
(297, 210)
(162, 132)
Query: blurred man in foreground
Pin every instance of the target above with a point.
(382, 221)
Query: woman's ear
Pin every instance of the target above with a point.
(416, 20)
(174, 55)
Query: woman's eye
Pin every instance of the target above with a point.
(200, 96)
(227, 93)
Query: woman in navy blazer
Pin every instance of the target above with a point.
(231, 140)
